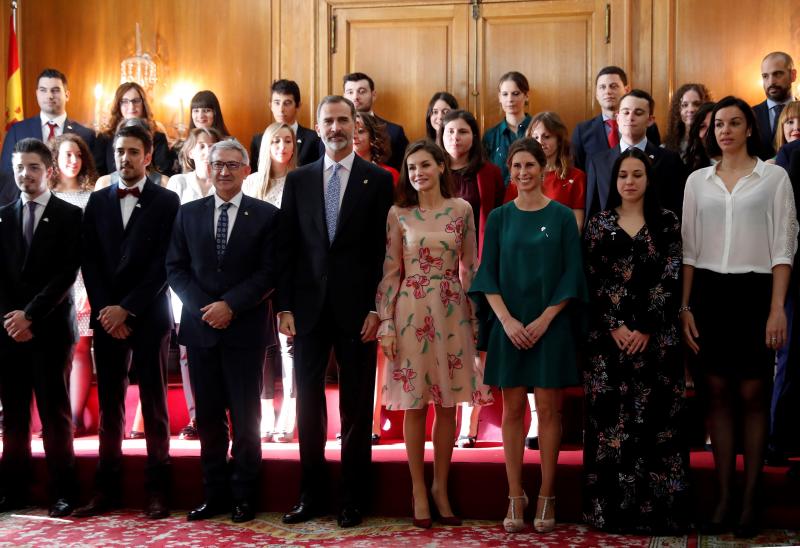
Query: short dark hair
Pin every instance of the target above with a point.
(405, 193)
(612, 69)
(52, 73)
(35, 146)
(753, 141)
(137, 131)
(330, 99)
(516, 77)
(356, 76)
(641, 94)
(286, 87)
(438, 96)
(477, 154)
(530, 145)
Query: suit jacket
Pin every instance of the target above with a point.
(669, 173)
(39, 280)
(761, 111)
(126, 266)
(309, 147)
(8, 188)
(343, 274)
(163, 158)
(590, 138)
(397, 136)
(243, 279)
(32, 127)
(784, 157)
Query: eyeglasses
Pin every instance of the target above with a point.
(232, 166)
(126, 102)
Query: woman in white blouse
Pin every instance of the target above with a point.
(739, 239)
(276, 159)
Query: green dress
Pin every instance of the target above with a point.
(533, 260)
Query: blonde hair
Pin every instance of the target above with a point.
(265, 158)
(791, 110)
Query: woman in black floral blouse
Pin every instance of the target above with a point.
(635, 455)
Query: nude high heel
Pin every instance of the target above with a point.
(542, 525)
(516, 523)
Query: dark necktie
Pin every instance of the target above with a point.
(777, 109)
(30, 223)
(52, 135)
(122, 192)
(613, 135)
(222, 231)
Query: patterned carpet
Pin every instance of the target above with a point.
(128, 528)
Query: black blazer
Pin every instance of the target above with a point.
(590, 138)
(784, 156)
(309, 147)
(761, 111)
(32, 127)
(8, 188)
(668, 170)
(126, 266)
(244, 278)
(39, 281)
(163, 158)
(345, 273)
(397, 136)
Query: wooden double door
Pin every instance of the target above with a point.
(413, 49)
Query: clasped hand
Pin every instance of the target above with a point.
(630, 342)
(525, 336)
(113, 318)
(217, 314)
(17, 326)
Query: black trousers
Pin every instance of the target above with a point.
(113, 357)
(356, 387)
(38, 367)
(228, 379)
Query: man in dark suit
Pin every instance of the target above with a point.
(777, 75)
(333, 238)
(601, 132)
(222, 264)
(52, 95)
(284, 103)
(634, 116)
(126, 231)
(40, 238)
(360, 89)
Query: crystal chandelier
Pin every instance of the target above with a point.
(139, 68)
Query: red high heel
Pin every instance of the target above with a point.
(424, 523)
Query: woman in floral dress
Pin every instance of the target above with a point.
(427, 325)
(636, 457)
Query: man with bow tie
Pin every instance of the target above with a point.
(126, 231)
(40, 250)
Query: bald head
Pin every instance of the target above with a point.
(777, 75)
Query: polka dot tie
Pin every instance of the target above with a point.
(332, 202)
(222, 231)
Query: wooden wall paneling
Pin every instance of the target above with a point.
(294, 51)
(409, 51)
(662, 83)
(552, 43)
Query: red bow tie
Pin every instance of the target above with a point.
(122, 192)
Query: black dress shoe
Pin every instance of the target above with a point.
(7, 504)
(206, 510)
(100, 504)
(532, 442)
(300, 513)
(60, 508)
(350, 516)
(157, 507)
(714, 528)
(746, 530)
(242, 511)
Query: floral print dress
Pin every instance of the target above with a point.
(636, 456)
(430, 262)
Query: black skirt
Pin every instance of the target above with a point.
(730, 312)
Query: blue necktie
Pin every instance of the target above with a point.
(222, 230)
(777, 109)
(29, 225)
(332, 202)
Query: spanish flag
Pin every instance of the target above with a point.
(14, 84)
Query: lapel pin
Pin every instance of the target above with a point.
(613, 234)
(247, 213)
(45, 219)
(652, 157)
(299, 141)
(366, 181)
(138, 205)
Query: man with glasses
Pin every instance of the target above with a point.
(224, 284)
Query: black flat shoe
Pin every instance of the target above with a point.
(300, 512)
(242, 512)
(532, 442)
(60, 508)
(206, 510)
(350, 516)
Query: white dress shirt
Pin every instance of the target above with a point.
(127, 203)
(751, 229)
(233, 210)
(41, 202)
(60, 121)
(623, 146)
(344, 173)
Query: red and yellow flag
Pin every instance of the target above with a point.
(14, 84)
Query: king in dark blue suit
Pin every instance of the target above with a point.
(222, 264)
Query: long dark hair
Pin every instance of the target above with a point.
(438, 96)
(207, 99)
(696, 155)
(477, 155)
(676, 128)
(116, 110)
(405, 193)
(652, 206)
(753, 141)
(87, 176)
(380, 146)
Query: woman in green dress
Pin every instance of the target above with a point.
(530, 270)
